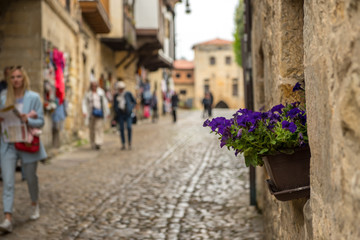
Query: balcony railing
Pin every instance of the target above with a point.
(129, 31)
(124, 38)
(96, 14)
(105, 4)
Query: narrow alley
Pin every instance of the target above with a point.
(176, 183)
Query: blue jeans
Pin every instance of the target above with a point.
(122, 120)
(8, 164)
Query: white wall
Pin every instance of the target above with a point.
(147, 14)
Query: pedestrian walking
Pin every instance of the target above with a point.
(3, 86)
(154, 107)
(95, 109)
(3, 90)
(174, 105)
(29, 105)
(207, 105)
(124, 102)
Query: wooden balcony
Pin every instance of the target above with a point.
(96, 14)
(126, 40)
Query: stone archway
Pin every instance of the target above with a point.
(221, 104)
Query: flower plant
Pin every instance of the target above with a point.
(255, 134)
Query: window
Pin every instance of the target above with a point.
(228, 60)
(177, 75)
(206, 88)
(183, 92)
(212, 61)
(235, 87)
(68, 5)
(188, 75)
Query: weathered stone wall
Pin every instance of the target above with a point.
(20, 38)
(26, 28)
(277, 51)
(332, 75)
(61, 32)
(317, 42)
(86, 53)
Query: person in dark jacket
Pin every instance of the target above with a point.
(154, 107)
(207, 105)
(174, 105)
(124, 102)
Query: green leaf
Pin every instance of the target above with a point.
(247, 161)
(264, 150)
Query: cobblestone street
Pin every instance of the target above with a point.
(175, 183)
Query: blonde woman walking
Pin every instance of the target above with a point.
(28, 103)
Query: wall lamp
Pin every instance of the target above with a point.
(188, 10)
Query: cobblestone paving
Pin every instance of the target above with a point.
(176, 183)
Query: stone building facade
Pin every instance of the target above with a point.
(316, 43)
(183, 77)
(98, 40)
(31, 30)
(216, 71)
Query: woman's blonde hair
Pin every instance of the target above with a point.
(10, 96)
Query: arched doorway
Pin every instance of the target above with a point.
(221, 104)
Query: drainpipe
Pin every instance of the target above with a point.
(248, 82)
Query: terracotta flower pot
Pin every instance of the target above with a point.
(289, 171)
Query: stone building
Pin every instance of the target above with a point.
(156, 40)
(96, 39)
(216, 71)
(183, 77)
(316, 43)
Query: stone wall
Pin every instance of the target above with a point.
(332, 74)
(86, 52)
(316, 42)
(20, 38)
(27, 28)
(277, 54)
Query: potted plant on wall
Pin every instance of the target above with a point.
(277, 139)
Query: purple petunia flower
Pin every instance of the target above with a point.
(302, 117)
(239, 133)
(219, 123)
(295, 104)
(297, 87)
(266, 115)
(244, 111)
(301, 140)
(206, 123)
(293, 113)
(277, 108)
(222, 143)
(241, 120)
(252, 128)
(301, 137)
(275, 117)
(289, 126)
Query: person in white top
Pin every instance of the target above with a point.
(95, 108)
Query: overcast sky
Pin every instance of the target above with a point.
(208, 19)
